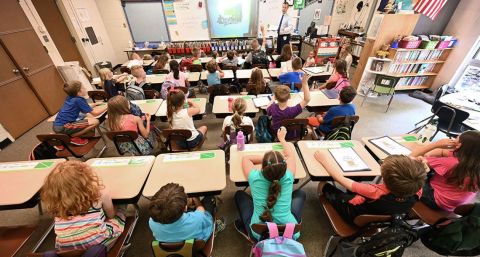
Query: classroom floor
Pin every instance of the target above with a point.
(403, 113)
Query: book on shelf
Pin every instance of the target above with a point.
(411, 68)
(412, 81)
(422, 55)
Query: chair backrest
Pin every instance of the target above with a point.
(260, 65)
(195, 68)
(385, 85)
(161, 71)
(448, 114)
(347, 120)
(150, 93)
(464, 209)
(174, 135)
(262, 229)
(246, 129)
(98, 95)
(124, 136)
(296, 128)
(189, 248)
(365, 219)
(183, 89)
(230, 67)
(57, 140)
(293, 86)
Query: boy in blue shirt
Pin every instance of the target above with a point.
(324, 120)
(69, 121)
(172, 222)
(294, 76)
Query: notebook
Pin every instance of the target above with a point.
(314, 70)
(348, 159)
(390, 146)
(331, 94)
(261, 101)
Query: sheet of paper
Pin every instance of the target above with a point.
(187, 157)
(25, 166)
(113, 162)
(262, 147)
(261, 101)
(314, 70)
(390, 146)
(328, 144)
(348, 159)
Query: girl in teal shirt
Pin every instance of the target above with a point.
(272, 198)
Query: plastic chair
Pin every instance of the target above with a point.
(150, 93)
(296, 128)
(13, 238)
(70, 150)
(294, 86)
(98, 95)
(429, 216)
(440, 92)
(196, 68)
(246, 129)
(338, 121)
(450, 120)
(125, 136)
(172, 136)
(384, 85)
(162, 71)
(260, 65)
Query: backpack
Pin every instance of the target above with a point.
(341, 132)
(277, 245)
(135, 110)
(185, 63)
(215, 90)
(43, 151)
(459, 237)
(390, 242)
(94, 251)
(259, 57)
(262, 130)
(134, 92)
(165, 86)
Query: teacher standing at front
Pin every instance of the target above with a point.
(285, 28)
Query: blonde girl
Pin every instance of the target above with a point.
(237, 119)
(162, 64)
(108, 80)
(180, 117)
(83, 209)
(257, 84)
(120, 118)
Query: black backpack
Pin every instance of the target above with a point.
(459, 237)
(395, 236)
(262, 130)
(43, 151)
(259, 57)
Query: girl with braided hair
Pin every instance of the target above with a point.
(272, 199)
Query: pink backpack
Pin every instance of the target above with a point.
(278, 245)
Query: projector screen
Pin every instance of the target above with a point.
(232, 18)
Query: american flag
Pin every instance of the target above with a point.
(431, 8)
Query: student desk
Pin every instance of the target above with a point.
(295, 98)
(245, 74)
(407, 140)
(21, 181)
(149, 106)
(200, 173)
(124, 177)
(466, 101)
(236, 172)
(275, 72)
(193, 76)
(318, 71)
(146, 63)
(228, 74)
(319, 102)
(156, 78)
(317, 171)
(201, 102)
(220, 105)
(241, 61)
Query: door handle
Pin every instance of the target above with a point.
(26, 69)
(16, 71)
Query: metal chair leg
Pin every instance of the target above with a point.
(389, 102)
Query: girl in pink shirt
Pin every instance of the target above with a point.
(455, 175)
(339, 78)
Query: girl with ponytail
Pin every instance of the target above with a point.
(176, 76)
(180, 117)
(237, 119)
(272, 199)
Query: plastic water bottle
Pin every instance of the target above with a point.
(426, 134)
(230, 102)
(240, 141)
(233, 135)
(329, 64)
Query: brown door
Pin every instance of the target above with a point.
(58, 30)
(20, 107)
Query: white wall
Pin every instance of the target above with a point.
(116, 25)
(306, 14)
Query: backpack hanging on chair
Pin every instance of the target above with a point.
(43, 151)
(262, 130)
(277, 245)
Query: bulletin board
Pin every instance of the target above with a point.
(270, 13)
(186, 20)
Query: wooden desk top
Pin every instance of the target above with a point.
(241, 61)
(220, 104)
(149, 106)
(275, 72)
(321, 71)
(20, 181)
(461, 101)
(193, 76)
(199, 172)
(295, 98)
(156, 78)
(316, 170)
(202, 102)
(245, 74)
(318, 98)
(236, 172)
(124, 177)
(407, 140)
(228, 74)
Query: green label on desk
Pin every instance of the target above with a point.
(136, 161)
(207, 155)
(195, 99)
(346, 144)
(151, 101)
(247, 97)
(277, 147)
(43, 165)
(410, 138)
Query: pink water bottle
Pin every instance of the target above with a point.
(240, 141)
(230, 102)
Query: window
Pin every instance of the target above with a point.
(467, 76)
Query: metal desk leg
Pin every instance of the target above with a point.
(44, 236)
(104, 142)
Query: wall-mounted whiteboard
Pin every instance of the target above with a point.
(186, 19)
(270, 13)
(146, 21)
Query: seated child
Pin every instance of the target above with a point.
(69, 119)
(403, 179)
(257, 83)
(295, 76)
(162, 64)
(120, 118)
(310, 62)
(231, 59)
(273, 198)
(180, 117)
(455, 171)
(346, 108)
(197, 53)
(339, 78)
(214, 73)
(135, 88)
(108, 81)
(281, 111)
(82, 207)
(178, 77)
(285, 55)
(239, 107)
(170, 220)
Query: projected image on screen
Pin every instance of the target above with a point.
(232, 18)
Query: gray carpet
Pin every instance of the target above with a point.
(403, 113)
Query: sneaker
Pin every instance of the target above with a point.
(59, 147)
(238, 224)
(220, 225)
(78, 141)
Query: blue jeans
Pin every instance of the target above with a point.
(244, 204)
